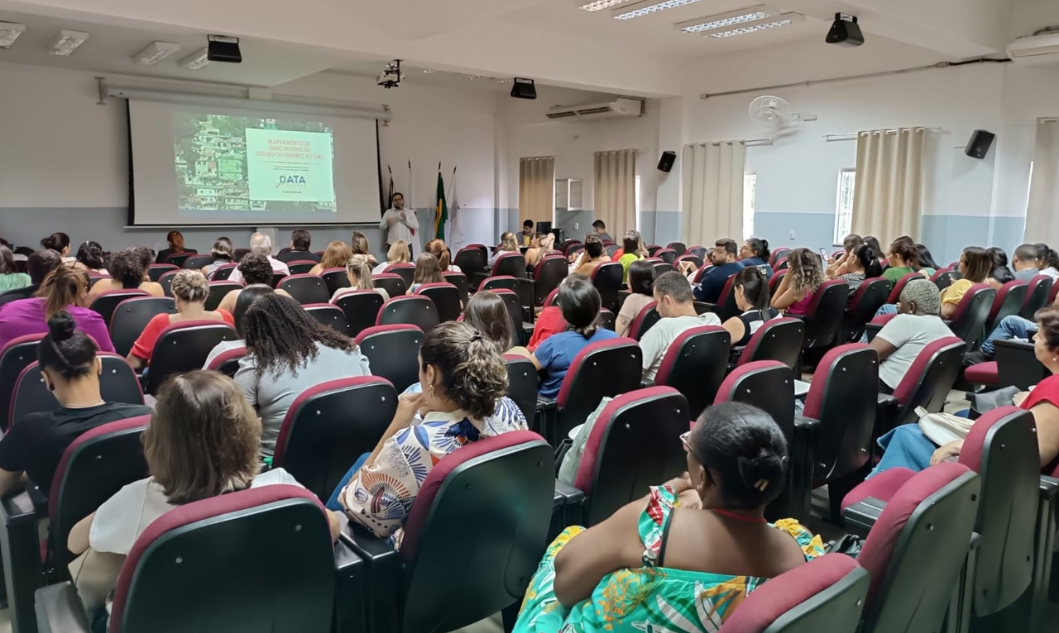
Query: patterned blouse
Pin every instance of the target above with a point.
(380, 496)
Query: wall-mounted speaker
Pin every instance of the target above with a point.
(979, 144)
(666, 162)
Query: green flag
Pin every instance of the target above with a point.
(442, 210)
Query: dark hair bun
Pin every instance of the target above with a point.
(62, 326)
(760, 470)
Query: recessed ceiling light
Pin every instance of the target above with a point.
(722, 20)
(196, 61)
(9, 32)
(67, 41)
(765, 24)
(429, 71)
(647, 7)
(599, 5)
(155, 53)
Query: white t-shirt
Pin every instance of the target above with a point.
(221, 348)
(277, 267)
(345, 291)
(126, 515)
(1051, 272)
(909, 334)
(656, 342)
(400, 229)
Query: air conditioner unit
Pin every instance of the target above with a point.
(1037, 49)
(620, 107)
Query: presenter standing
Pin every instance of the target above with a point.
(399, 223)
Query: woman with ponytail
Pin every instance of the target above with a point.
(752, 296)
(64, 289)
(358, 271)
(1047, 261)
(70, 368)
(755, 252)
(860, 266)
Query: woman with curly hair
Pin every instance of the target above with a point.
(287, 352)
(800, 283)
(463, 400)
(256, 269)
(127, 272)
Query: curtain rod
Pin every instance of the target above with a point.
(749, 143)
(852, 136)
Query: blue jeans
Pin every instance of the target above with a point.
(906, 447)
(332, 503)
(886, 308)
(1010, 327)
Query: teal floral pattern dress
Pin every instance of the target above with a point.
(649, 599)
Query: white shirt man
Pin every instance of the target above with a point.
(399, 223)
(676, 306)
(261, 244)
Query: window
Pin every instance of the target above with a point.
(847, 182)
(749, 195)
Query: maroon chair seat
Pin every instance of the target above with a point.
(604, 368)
(702, 271)
(777, 339)
(329, 426)
(506, 282)
(446, 298)
(131, 316)
(969, 320)
(895, 292)
(726, 307)
(607, 278)
(361, 308)
(823, 317)
(16, 355)
(929, 380)
(107, 302)
(184, 346)
(1036, 296)
(411, 309)
(695, 365)
(391, 283)
(1007, 302)
(872, 295)
(227, 362)
(547, 276)
(219, 290)
(305, 289)
(987, 373)
(117, 383)
(330, 315)
(667, 255)
(406, 271)
(510, 264)
(633, 445)
(678, 247)
(335, 279)
(781, 264)
(223, 272)
(646, 318)
(462, 284)
(301, 266)
(155, 271)
(393, 353)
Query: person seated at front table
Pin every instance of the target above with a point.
(127, 272)
(676, 306)
(752, 297)
(755, 252)
(526, 234)
(428, 271)
(641, 293)
(358, 272)
(255, 269)
(580, 303)
(975, 266)
(464, 383)
(64, 289)
(725, 264)
(902, 338)
(300, 242)
(801, 282)
(335, 256)
(697, 545)
(908, 447)
(398, 254)
(261, 244)
(70, 368)
(190, 290)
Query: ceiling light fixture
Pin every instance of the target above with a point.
(9, 32)
(599, 5)
(647, 7)
(155, 53)
(722, 20)
(67, 41)
(196, 61)
(473, 77)
(784, 19)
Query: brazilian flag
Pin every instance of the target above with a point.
(442, 209)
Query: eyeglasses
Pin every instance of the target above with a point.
(684, 440)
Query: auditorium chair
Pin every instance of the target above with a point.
(462, 284)
(240, 253)
(1014, 364)
(777, 339)
(219, 290)
(197, 262)
(178, 259)
(105, 303)
(823, 317)
(472, 262)
(652, 250)
(678, 247)
(361, 308)
(330, 315)
(184, 346)
(667, 255)
(689, 257)
(781, 265)
(495, 283)
(698, 251)
(393, 353)
(777, 255)
(335, 279)
(117, 383)
(895, 292)
(1036, 296)
(514, 310)
(259, 559)
(726, 307)
(926, 384)
(777, 279)
(825, 595)
(223, 272)
(446, 298)
(522, 387)
(552, 298)
(95, 278)
(155, 271)
(643, 321)
(572, 246)
(607, 319)
(411, 309)
(695, 365)
(391, 283)
(969, 320)
(662, 268)
(1007, 302)
(306, 289)
(1054, 294)
(607, 278)
(277, 277)
(329, 426)
(611, 249)
(872, 295)
(16, 355)
(227, 362)
(406, 271)
(301, 266)
(508, 480)
(511, 264)
(917, 542)
(547, 275)
(633, 445)
(16, 294)
(131, 316)
(943, 278)
(701, 272)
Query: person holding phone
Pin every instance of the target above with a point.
(400, 224)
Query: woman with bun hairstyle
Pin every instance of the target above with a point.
(60, 243)
(64, 289)
(34, 444)
(755, 252)
(696, 546)
(859, 266)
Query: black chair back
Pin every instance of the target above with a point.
(391, 283)
(218, 291)
(407, 272)
(944, 279)
(306, 289)
(695, 365)
(131, 316)
(506, 282)
(777, 339)
(446, 298)
(1007, 302)
(547, 276)
(155, 271)
(361, 308)
(301, 267)
(412, 309)
(514, 310)
(16, 355)
(522, 386)
(662, 268)
(460, 281)
(471, 260)
(117, 383)
(330, 315)
(823, 319)
(929, 380)
(393, 353)
(678, 247)
(607, 278)
(16, 294)
(1037, 296)
(667, 255)
(184, 346)
(969, 320)
(643, 321)
(335, 279)
(604, 368)
(871, 296)
(197, 262)
(178, 259)
(106, 303)
(769, 386)
(221, 273)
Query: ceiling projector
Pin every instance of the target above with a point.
(391, 76)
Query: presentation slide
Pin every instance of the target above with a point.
(228, 167)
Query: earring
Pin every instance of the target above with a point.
(431, 391)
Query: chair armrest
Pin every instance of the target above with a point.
(886, 411)
(861, 516)
(645, 383)
(871, 329)
(20, 550)
(1049, 487)
(40, 502)
(351, 599)
(385, 591)
(59, 610)
(568, 508)
(546, 414)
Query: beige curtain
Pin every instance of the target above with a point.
(615, 190)
(536, 189)
(1042, 214)
(713, 192)
(888, 196)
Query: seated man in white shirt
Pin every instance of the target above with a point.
(676, 306)
(916, 325)
(261, 244)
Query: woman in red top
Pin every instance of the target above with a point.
(190, 289)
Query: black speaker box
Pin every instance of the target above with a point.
(222, 48)
(979, 144)
(666, 162)
(524, 89)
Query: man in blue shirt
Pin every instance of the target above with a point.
(725, 264)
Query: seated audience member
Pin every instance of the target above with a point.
(359, 245)
(398, 254)
(246, 298)
(1047, 261)
(752, 296)
(1024, 261)
(838, 267)
(10, 278)
(60, 243)
(176, 247)
(202, 442)
(755, 252)
(725, 265)
(629, 253)
(926, 259)
(300, 241)
(641, 292)
(487, 313)
(526, 234)
(261, 244)
(39, 265)
(428, 271)
(873, 242)
(601, 231)
(704, 559)
(903, 258)
(641, 248)
(541, 245)
(35, 444)
(507, 245)
(550, 321)
(908, 447)
(859, 266)
(63, 290)
(676, 306)
(464, 385)
(287, 352)
(222, 253)
(1000, 273)
(358, 271)
(438, 249)
(335, 256)
(579, 302)
(916, 325)
(1010, 328)
(975, 266)
(190, 290)
(801, 282)
(593, 255)
(127, 272)
(254, 269)
(90, 258)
